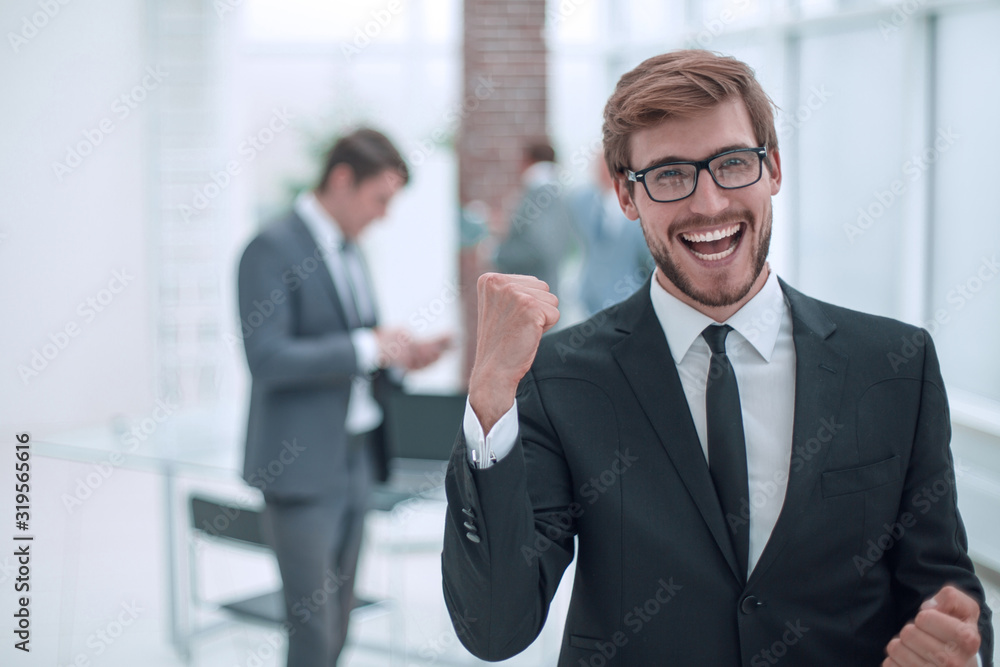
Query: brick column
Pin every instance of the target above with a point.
(504, 71)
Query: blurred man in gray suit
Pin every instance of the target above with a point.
(616, 259)
(317, 358)
(539, 233)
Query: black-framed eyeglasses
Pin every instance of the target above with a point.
(673, 181)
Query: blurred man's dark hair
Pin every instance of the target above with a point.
(539, 151)
(368, 152)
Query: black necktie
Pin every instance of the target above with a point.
(727, 452)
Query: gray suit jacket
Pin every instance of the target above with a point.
(298, 346)
(615, 264)
(539, 235)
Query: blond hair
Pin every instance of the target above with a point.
(681, 84)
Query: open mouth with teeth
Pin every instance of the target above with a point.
(715, 245)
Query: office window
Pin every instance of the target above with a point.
(849, 122)
(306, 21)
(966, 239)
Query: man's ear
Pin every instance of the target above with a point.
(625, 199)
(341, 178)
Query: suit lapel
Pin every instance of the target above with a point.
(645, 360)
(308, 248)
(820, 370)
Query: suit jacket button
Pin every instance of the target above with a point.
(468, 512)
(472, 537)
(470, 526)
(749, 604)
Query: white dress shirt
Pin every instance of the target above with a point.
(762, 354)
(363, 412)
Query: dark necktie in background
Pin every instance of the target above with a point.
(357, 278)
(727, 452)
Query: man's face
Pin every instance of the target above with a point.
(357, 205)
(715, 276)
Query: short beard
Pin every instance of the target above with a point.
(713, 296)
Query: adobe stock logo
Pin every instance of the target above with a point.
(121, 108)
(88, 310)
(88, 484)
(715, 27)
(31, 25)
(789, 123)
(913, 169)
(252, 145)
(901, 13)
(380, 20)
(635, 620)
(223, 7)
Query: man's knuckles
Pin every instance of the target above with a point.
(524, 302)
(909, 634)
(957, 603)
(936, 622)
(496, 280)
(963, 638)
(967, 638)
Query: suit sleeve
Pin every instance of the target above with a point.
(268, 294)
(509, 535)
(934, 551)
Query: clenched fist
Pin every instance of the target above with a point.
(944, 634)
(514, 312)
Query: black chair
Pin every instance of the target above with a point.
(239, 526)
(423, 426)
(420, 430)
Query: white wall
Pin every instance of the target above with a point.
(65, 237)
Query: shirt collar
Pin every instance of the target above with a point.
(758, 321)
(321, 225)
(539, 174)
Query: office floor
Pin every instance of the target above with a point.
(99, 582)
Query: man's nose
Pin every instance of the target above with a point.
(708, 198)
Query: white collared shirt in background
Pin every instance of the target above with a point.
(363, 412)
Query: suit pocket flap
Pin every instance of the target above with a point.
(589, 643)
(853, 480)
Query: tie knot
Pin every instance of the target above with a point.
(715, 336)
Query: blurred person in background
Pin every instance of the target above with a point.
(616, 260)
(539, 234)
(318, 360)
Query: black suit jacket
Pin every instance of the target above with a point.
(608, 453)
(302, 361)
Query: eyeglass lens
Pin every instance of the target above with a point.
(731, 170)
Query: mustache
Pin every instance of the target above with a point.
(696, 221)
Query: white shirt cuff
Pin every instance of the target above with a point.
(485, 450)
(365, 349)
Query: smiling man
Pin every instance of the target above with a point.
(771, 506)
